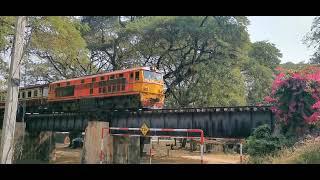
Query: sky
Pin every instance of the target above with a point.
(286, 32)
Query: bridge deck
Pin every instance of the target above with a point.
(225, 122)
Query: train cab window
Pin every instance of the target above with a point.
(35, 93)
(137, 75)
(23, 94)
(101, 78)
(68, 83)
(82, 81)
(65, 91)
(131, 75)
(111, 77)
(29, 93)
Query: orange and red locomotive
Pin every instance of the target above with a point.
(135, 88)
(123, 89)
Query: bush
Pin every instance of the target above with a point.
(262, 142)
(295, 98)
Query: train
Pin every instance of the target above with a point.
(133, 88)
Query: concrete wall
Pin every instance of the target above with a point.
(126, 150)
(92, 144)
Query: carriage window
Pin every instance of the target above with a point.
(104, 90)
(113, 88)
(137, 75)
(109, 88)
(35, 93)
(65, 91)
(131, 75)
(82, 81)
(111, 77)
(123, 87)
(68, 83)
(19, 96)
(23, 95)
(120, 75)
(100, 90)
(91, 91)
(101, 78)
(29, 93)
(58, 85)
(93, 79)
(118, 87)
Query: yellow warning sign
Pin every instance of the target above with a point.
(144, 129)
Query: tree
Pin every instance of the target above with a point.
(312, 39)
(107, 41)
(179, 45)
(259, 70)
(266, 54)
(58, 40)
(6, 35)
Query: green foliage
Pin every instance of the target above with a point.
(309, 156)
(59, 41)
(266, 54)
(206, 60)
(259, 79)
(258, 69)
(192, 51)
(262, 142)
(313, 40)
(6, 29)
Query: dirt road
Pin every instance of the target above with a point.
(65, 155)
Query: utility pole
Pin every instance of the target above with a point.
(9, 121)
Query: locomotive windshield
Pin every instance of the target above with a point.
(153, 76)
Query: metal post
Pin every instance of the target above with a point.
(150, 155)
(101, 147)
(201, 148)
(241, 153)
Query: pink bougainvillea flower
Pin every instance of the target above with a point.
(316, 105)
(313, 118)
(269, 99)
(274, 109)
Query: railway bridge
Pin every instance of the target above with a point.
(216, 122)
(224, 122)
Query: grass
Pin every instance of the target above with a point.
(306, 152)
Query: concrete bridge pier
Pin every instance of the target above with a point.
(116, 149)
(126, 150)
(91, 152)
(32, 147)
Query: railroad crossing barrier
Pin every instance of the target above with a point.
(144, 131)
